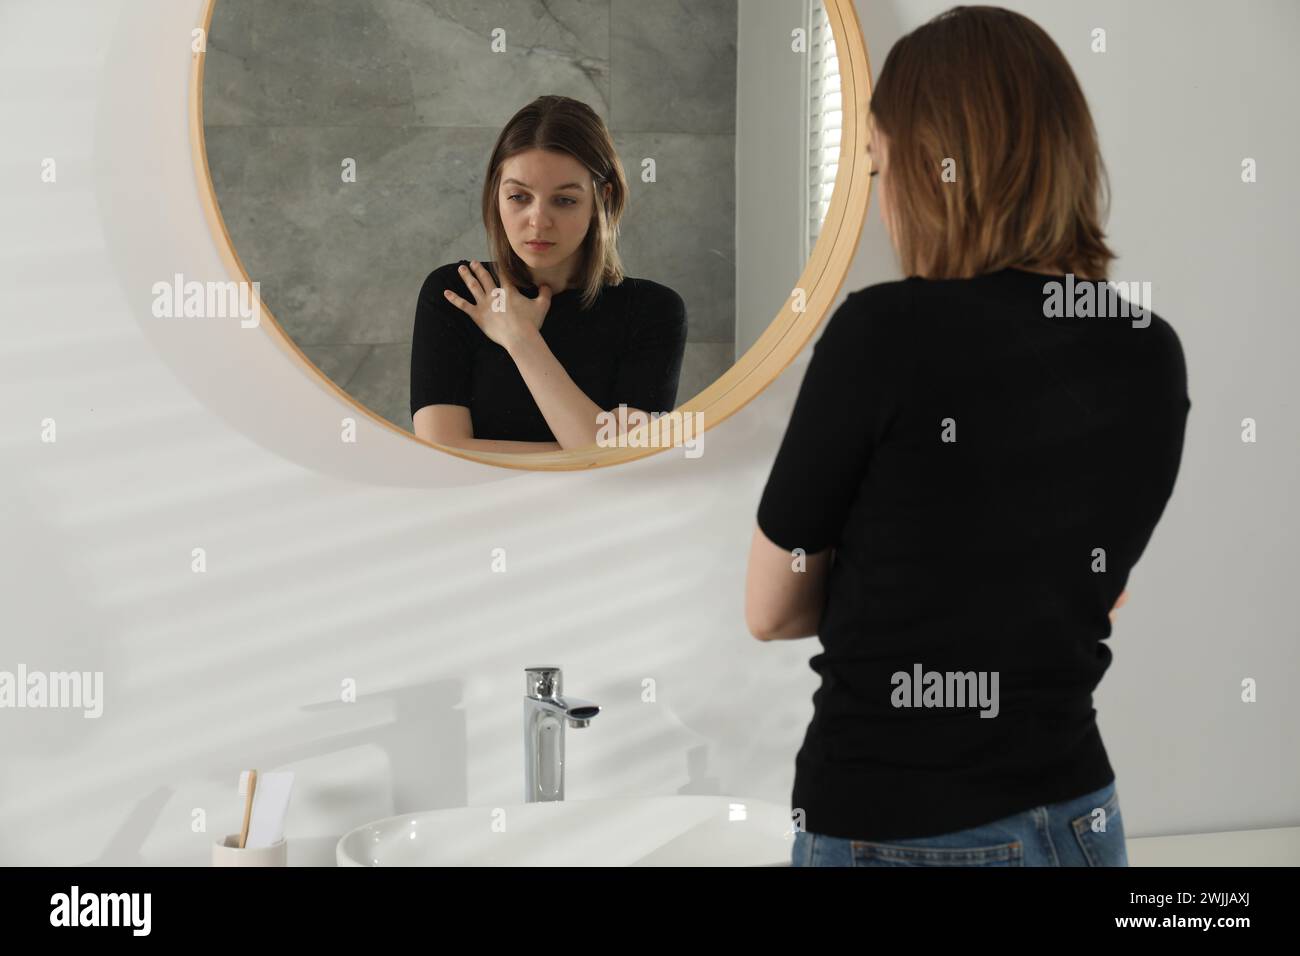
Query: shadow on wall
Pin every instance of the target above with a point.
(425, 773)
(45, 578)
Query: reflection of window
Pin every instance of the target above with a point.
(824, 120)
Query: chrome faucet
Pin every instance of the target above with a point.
(545, 712)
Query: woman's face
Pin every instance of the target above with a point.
(877, 151)
(548, 196)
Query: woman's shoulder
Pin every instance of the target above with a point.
(882, 293)
(873, 311)
(654, 301)
(651, 290)
(444, 276)
(433, 310)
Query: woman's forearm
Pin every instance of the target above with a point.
(507, 447)
(807, 619)
(568, 411)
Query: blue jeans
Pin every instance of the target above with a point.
(1059, 834)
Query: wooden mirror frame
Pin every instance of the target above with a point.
(776, 348)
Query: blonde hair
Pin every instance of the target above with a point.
(989, 89)
(562, 125)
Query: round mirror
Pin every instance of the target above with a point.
(540, 235)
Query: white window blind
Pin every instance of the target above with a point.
(825, 119)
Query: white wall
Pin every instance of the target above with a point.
(372, 562)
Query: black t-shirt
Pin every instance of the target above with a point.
(968, 556)
(626, 349)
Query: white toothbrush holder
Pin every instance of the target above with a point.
(226, 852)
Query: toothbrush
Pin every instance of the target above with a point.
(247, 785)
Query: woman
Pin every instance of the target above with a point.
(526, 352)
(967, 480)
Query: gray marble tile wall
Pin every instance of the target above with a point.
(410, 91)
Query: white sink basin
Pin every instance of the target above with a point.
(630, 831)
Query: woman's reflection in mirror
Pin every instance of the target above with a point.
(529, 351)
